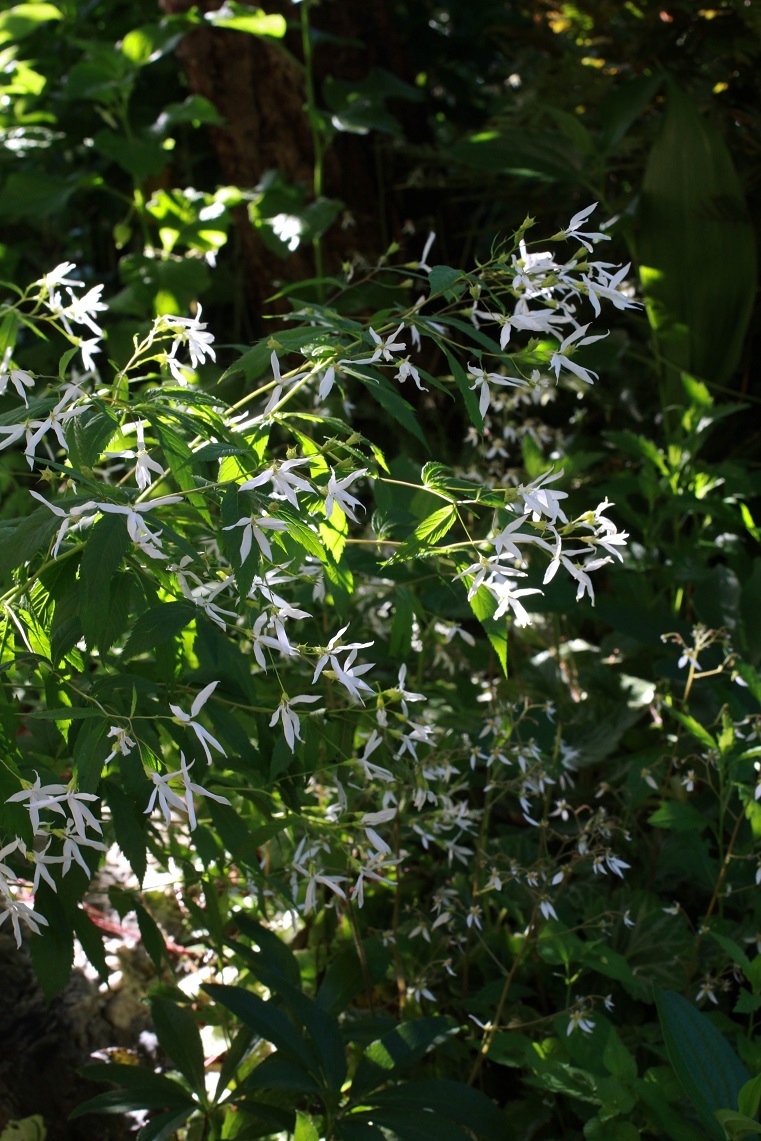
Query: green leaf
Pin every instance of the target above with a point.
(736, 1125)
(158, 625)
(305, 1130)
(453, 1100)
(269, 948)
(179, 1037)
(137, 1078)
(130, 827)
(694, 727)
(749, 1097)
(442, 279)
(22, 19)
(427, 534)
(89, 751)
(679, 816)
(8, 333)
(263, 1017)
(106, 546)
(277, 1072)
(466, 390)
(396, 1051)
(153, 940)
(425, 1126)
(164, 1126)
(253, 21)
(394, 403)
(692, 215)
(707, 1067)
(622, 106)
(346, 977)
(484, 604)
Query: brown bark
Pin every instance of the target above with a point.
(259, 89)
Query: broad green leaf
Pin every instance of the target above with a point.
(396, 1051)
(130, 826)
(693, 215)
(736, 1125)
(710, 1072)
(22, 19)
(345, 976)
(281, 1073)
(305, 1130)
(8, 332)
(749, 1098)
(269, 947)
(679, 816)
(453, 1100)
(88, 753)
(622, 106)
(180, 1039)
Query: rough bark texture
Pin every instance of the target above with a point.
(259, 90)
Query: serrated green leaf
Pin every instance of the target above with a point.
(484, 604)
(158, 625)
(444, 279)
(426, 535)
(107, 544)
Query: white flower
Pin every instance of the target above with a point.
(482, 379)
(254, 527)
(386, 347)
(315, 877)
(607, 287)
(707, 991)
(168, 798)
(59, 276)
(580, 1020)
(137, 529)
(123, 744)
(406, 369)
(203, 735)
(336, 493)
(572, 230)
(539, 499)
(190, 331)
(285, 481)
(546, 908)
(473, 918)
(73, 841)
(289, 719)
(19, 379)
(17, 910)
(560, 358)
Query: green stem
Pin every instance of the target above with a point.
(317, 140)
